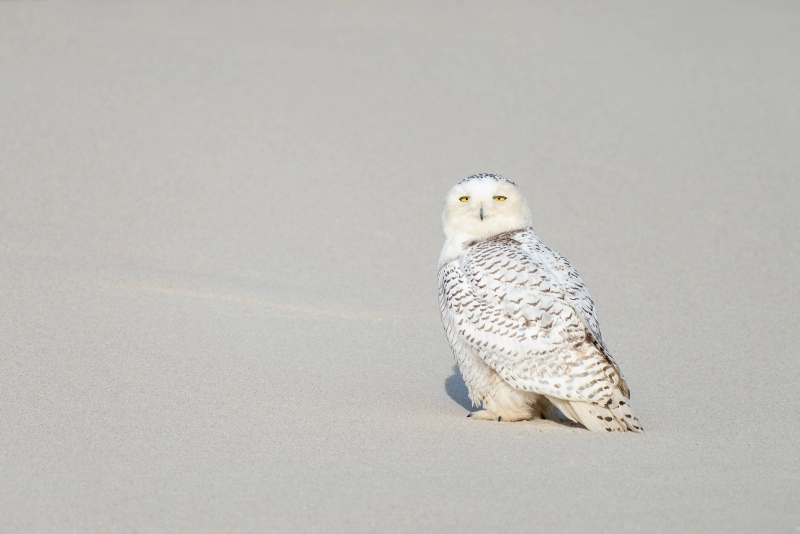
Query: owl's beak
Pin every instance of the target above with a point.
(481, 212)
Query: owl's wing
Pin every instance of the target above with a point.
(524, 311)
(575, 292)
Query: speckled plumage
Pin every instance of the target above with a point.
(520, 321)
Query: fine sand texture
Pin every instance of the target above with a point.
(219, 233)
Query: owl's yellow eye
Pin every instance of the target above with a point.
(463, 199)
(499, 198)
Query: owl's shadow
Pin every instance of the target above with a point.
(457, 390)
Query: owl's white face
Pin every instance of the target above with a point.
(480, 207)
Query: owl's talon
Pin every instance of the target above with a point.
(483, 415)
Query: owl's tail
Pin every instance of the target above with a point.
(614, 416)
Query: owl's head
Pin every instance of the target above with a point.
(482, 206)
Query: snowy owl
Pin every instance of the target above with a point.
(518, 317)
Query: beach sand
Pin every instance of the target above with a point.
(219, 233)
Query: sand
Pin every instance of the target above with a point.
(219, 228)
